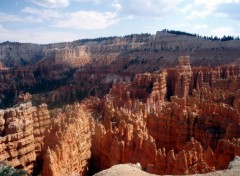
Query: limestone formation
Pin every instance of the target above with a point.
(183, 77)
(125, 135)
(22, 98)
(43, 69)
(68, 143)
(14, 54)
(182, 120)
(42, 122)
(22, 130)
(17, 139)
(2, 67)
(131, 169)
(137, 117)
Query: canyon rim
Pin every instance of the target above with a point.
(167, 103)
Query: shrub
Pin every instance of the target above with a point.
(10, 171)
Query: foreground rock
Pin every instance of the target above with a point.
(68, 143)
(131, 169)
(123, 170)
(29, 137)
(22, 130)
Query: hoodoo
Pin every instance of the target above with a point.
(164, 103)
(182, 120)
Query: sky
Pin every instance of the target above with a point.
(50, 21)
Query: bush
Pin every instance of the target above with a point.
(10, 171)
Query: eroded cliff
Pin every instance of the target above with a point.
(87, 64)
(22, 131)
(186, 135)
(183, 120)
(68, 143)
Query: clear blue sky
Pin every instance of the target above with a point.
(45, 21)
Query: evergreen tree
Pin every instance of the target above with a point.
(10, 171)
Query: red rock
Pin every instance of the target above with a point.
(183, 77)
(67, 143)
(138, 117)
(22, 98)
(179, 121)
(18, 147)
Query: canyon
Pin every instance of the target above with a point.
(195, 131)
(81, 107)
(91, 66)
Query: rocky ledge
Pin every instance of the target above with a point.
(136, 170)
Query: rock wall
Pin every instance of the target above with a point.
(33, 79)
(29, 137)
(135, 169)
(41, 122)
(78, 56)
(17, 139)
(183, 77)
(181, 120)
(22, 130)
(68, 143)
(134, 51)
(43, 68)
(124, 138)
(14, 54)
(179, 136)
(162, 48)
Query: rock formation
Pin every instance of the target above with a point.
(182, 120)
(134, 169)
(125, 135)
(42, 69)
(161, 48)
(17, 139)
(22, 132)
(68, 143)
(32, 79)
(137, 118)
(183, 77)
(42, 122)
(28, 136)
(75, 57)
(2, 67)
(14, 54)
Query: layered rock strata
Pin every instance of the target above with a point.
(29, 137)
(43, 68)
(22, 131)
(17, 138)
(137, 118)
(41, 119)
(182, 120)
(68, 143)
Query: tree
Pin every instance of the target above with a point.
(10, 171)
(227, 38)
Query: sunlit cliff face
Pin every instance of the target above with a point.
(183, 120)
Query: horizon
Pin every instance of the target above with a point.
(54, 21)
(213, 38)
